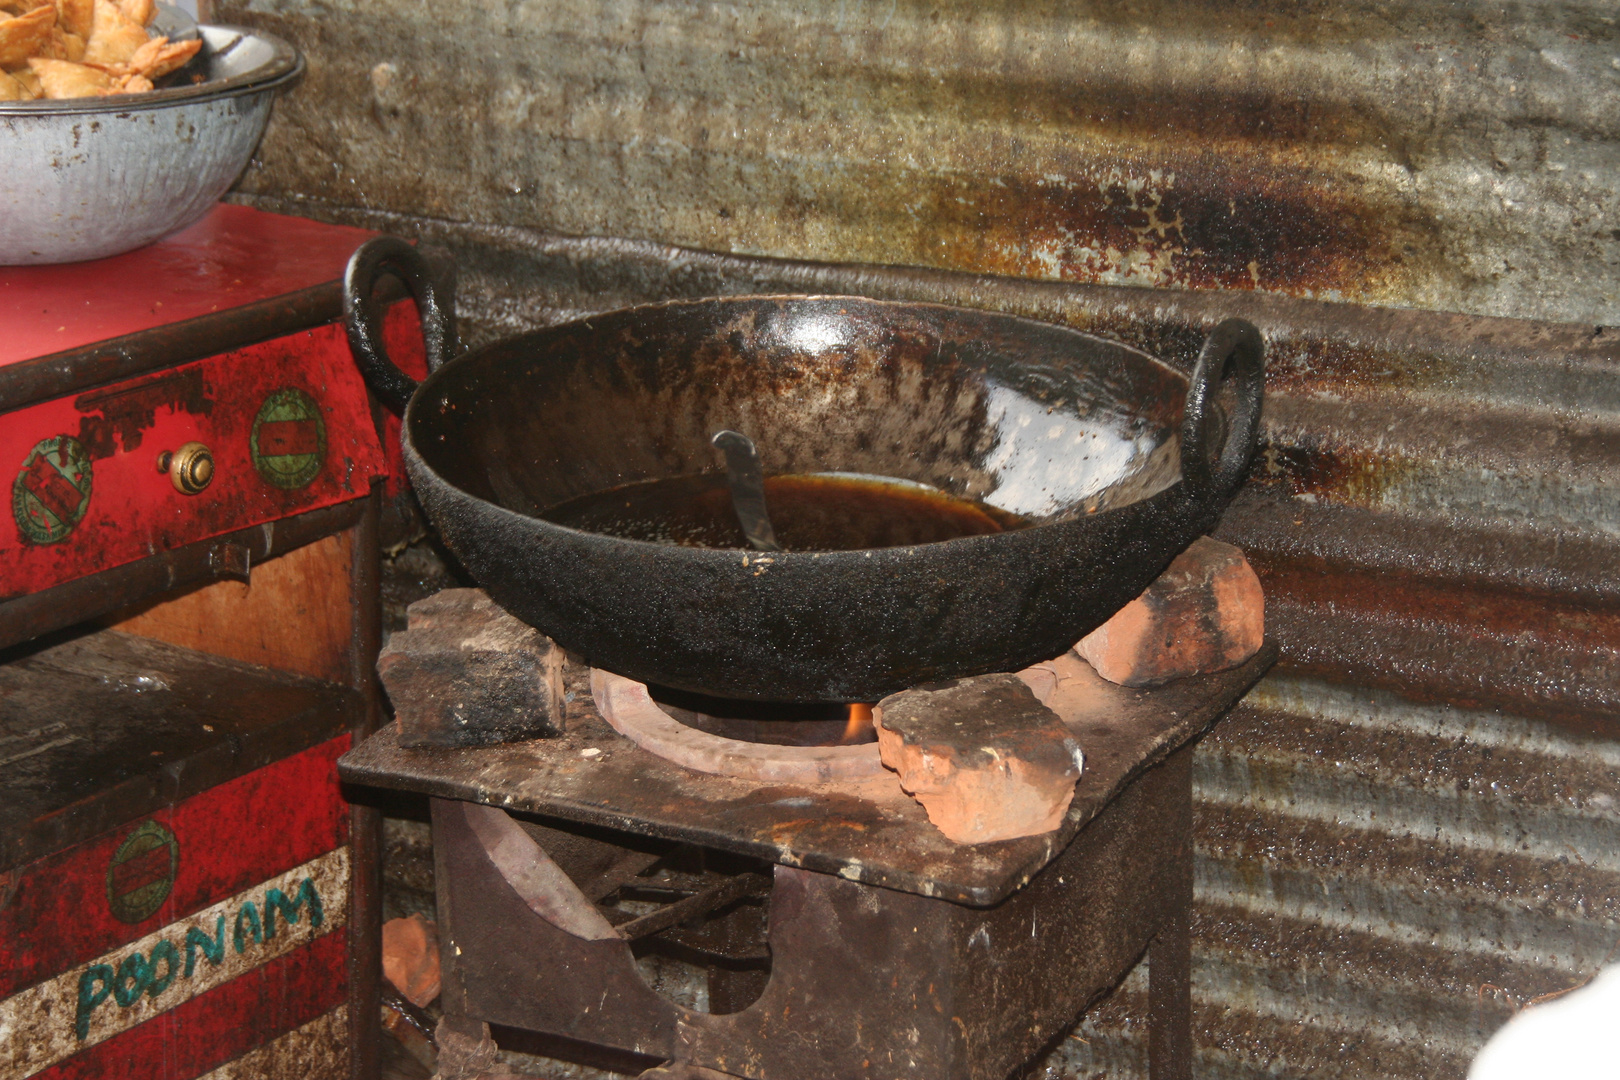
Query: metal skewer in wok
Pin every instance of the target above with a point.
(747, 482)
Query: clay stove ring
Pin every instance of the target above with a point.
(626, 705)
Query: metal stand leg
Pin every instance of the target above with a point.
(465, 1049)
(365, 822)
(1170, 1047)
(1170, 1001)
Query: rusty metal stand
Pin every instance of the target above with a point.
(893, 954)
(856, 971)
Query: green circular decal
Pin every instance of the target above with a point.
(288, 443)
(52, 491)
(142, 872)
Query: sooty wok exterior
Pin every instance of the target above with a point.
(1119, 460)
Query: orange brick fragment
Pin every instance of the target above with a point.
(1205, 613)
(983, 756)
(410, 958)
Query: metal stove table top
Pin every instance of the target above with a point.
(868, 831)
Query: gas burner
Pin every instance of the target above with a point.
(776, 723)
(695, 740)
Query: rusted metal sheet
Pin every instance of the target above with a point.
(231, 556)
(1409, 828)
(1507, 431)
(109, 727)
(1457, 158)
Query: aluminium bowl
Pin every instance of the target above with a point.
(86, 178)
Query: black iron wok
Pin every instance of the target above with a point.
(1120, 460)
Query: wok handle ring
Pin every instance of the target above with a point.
(1234, 350)
(363, 315)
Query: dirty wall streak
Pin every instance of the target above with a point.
(1412, 825)
(1452, 157)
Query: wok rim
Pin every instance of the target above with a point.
(416, 462)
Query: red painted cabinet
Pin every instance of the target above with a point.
(188, 622)
(210, 931)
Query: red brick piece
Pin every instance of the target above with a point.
(410, 958)
(465, 673)
(983, 756)
(1205, 613)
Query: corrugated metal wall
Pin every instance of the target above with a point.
(1453, 156)
(1379, 884)
(1411, 826)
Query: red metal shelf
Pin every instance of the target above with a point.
(234, 257)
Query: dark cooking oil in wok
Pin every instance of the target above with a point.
(810, 512)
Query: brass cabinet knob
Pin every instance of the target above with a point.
(190, 468)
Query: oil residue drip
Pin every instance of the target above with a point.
(810, 512)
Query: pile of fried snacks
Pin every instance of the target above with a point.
(82, 48)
